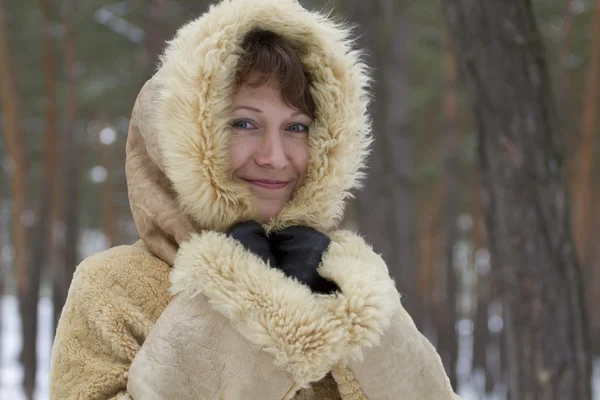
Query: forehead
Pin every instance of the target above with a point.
(256, 83)
(268, 94)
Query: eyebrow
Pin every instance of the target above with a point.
(259, 111)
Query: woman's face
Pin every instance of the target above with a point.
(269, 146)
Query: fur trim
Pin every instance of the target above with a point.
(307, 334)
(298, 328)
(370, 295)
(196, 80)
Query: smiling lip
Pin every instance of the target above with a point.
(267, 184)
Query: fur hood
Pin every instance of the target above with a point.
(177, 160)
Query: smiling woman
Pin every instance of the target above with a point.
(241, 152)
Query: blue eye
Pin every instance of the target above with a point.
(242, 124)
(300, 128)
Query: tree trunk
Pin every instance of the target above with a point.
(60, 285)
(585, 154)
(14, 136)
(429, 246)
(43, 243)
(15, 145)
(481, 333)
(566, 82)
(385, 208)
(448, 340)
(585, 190)
(525, 200)
(71, 156)
(593, 279)
(2, 268)
(565, 86)
(154, 41)
(41, 235)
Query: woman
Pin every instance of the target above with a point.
(241, 152)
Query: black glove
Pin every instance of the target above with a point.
(299, 250)
(254, 239)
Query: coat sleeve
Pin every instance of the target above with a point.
(114, 299)
(399, 363)
(193, 352)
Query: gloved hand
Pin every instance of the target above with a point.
(254, 239)
(299, 250)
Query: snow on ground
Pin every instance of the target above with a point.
(10, 339)
(11, 372)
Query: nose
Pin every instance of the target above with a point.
(272, 151)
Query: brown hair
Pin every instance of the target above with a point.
(272, 56)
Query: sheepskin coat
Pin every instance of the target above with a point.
(188, 312)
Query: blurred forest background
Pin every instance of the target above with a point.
(494, 295)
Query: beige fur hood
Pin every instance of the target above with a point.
(177, 164)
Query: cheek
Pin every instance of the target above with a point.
(300, 157)
(239, 153)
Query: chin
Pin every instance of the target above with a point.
(268, 211)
